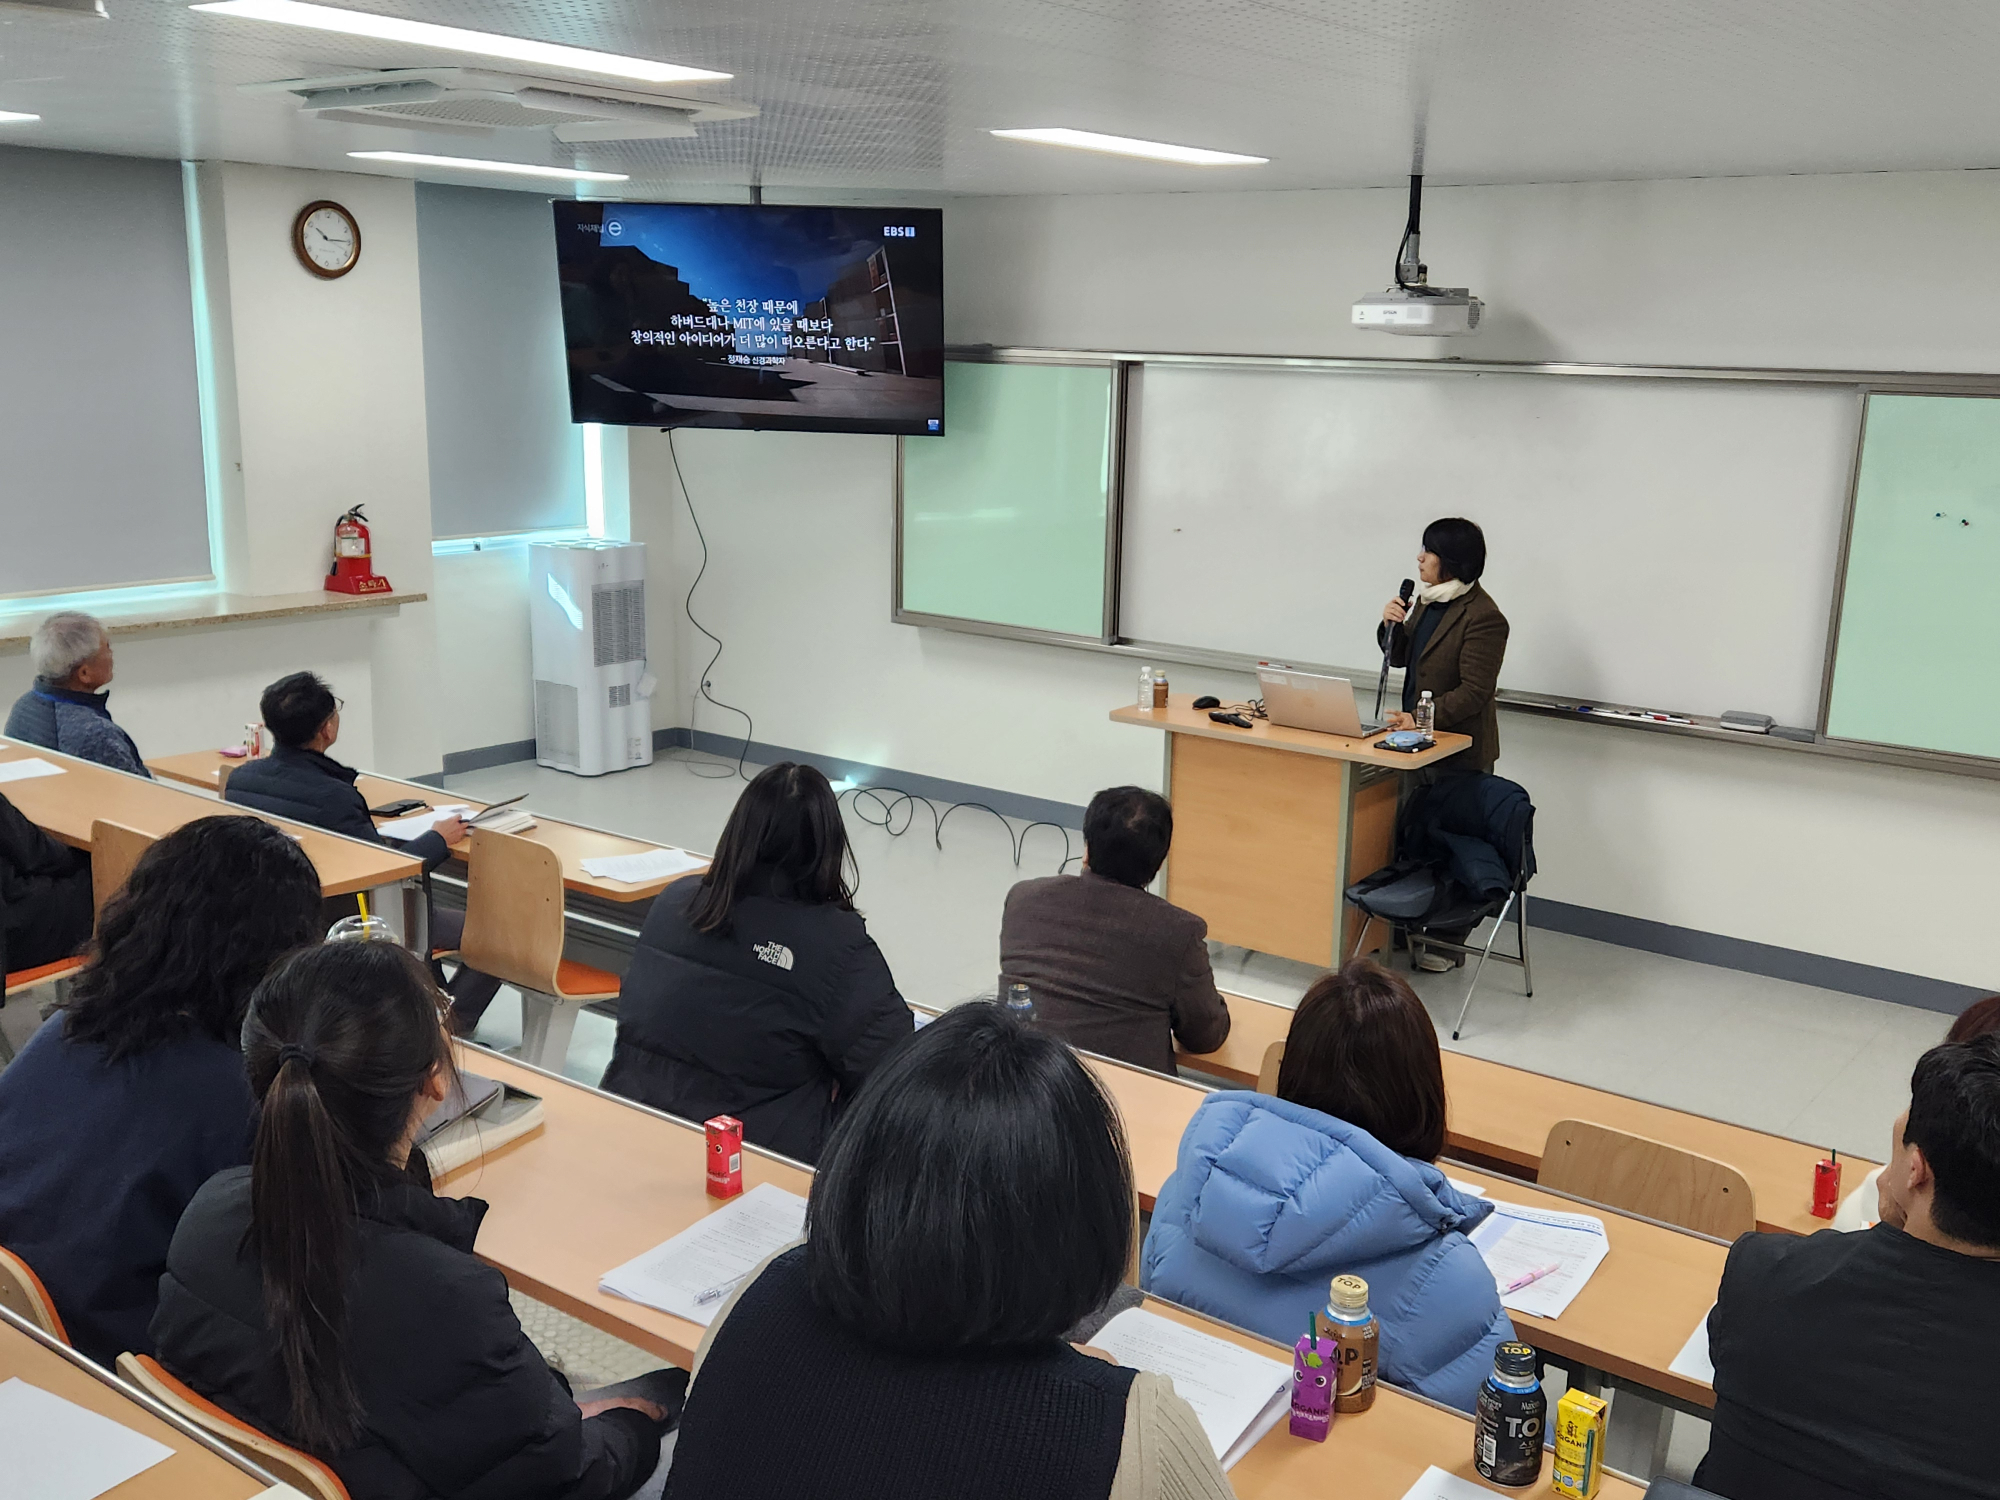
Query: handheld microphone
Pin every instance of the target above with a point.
(1404, 593)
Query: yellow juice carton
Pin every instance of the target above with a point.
(1579, 1465)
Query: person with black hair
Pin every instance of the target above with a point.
(1863, 1365)
(132, 1095)
(1451, 644)
(327, 1296)
(1111, 967)
(974, 1205)
(756, 990)
(44, 895)
(300, 781)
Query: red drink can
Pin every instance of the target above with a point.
(1826, 1188)
(725, 1156)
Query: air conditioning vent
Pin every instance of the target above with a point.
(618, 623)
(555, 723)
(472, 100)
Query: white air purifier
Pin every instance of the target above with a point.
(593, 694)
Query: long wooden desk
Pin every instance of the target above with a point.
(573, 842)
(66, 805)
(197, 1470)
(1271, 825)
(605, 1180)
(1503, 1114)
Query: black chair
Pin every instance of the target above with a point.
(1465, 851)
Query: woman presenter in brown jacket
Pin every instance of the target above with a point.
(1450, 641)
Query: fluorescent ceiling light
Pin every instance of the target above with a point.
(456, 39)
(1125, 145)
(477, 164)
(14, 117)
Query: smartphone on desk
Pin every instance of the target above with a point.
(398, 808)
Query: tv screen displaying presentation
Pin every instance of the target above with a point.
(756, 316)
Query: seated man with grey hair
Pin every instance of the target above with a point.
(66, 709)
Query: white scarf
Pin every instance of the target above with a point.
(1443, 593)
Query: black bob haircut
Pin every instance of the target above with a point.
(294, 707)
(1460, 545)
(976, 1196)
(784, 838)
(1955, 1121)
(1127, 831)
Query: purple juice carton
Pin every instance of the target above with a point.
(1312, 1387)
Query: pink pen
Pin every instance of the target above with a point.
(1530, 1279)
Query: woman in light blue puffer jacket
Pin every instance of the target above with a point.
(1273, 1197)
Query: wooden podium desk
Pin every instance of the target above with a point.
(199, 1468)
(1271, 825)
(1503, 1114)
(66, 805)
(605, 1180)
(573, 842)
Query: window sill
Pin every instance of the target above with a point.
(200, 611)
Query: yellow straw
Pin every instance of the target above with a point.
(362, 897)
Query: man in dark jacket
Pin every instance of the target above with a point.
(68, 709)
(44, 895)
(300, 781)
(1862, 1365)
(458, 1400)
(1111, 967)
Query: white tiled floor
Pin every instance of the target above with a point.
(1789, 1058)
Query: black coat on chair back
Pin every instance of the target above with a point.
(776, 1021)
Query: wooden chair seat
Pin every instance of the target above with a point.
(22, 1293)
(28, 979)
(301, 1471)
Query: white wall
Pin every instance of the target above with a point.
(486, 692)
(1814, 272)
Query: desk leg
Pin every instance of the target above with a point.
(404, 907)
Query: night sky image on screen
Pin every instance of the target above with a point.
(758, 316)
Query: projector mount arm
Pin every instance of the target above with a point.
(1410, 269)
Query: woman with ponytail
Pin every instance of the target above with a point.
(327, 1295)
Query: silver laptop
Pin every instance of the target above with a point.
(1309, 700)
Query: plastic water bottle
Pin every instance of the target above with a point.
(1020, 1004)
(1145, 687)
(1426, 714)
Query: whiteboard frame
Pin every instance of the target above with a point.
(1114, 510)
(1862, 383)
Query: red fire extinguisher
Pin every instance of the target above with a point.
(353, 570)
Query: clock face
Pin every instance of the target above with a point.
(327, 239)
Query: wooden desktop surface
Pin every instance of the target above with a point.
(1504, 1113)
(573, 844)
(1180, 716)
(192, 1473)
(604, 1181)
(66, 805)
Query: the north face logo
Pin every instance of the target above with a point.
(774, 953)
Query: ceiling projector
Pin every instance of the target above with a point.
(1413, 305)
(1434, 311)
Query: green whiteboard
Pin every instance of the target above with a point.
(1007, 518)
(1919, 627)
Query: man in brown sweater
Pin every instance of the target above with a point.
(1111, 967)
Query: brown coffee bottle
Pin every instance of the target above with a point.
(1353, 1328)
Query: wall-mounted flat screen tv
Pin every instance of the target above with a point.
(758, 316)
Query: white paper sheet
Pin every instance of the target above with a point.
(1693, 1361)
(52, 1449)
(1516, 1241)
(692, 1274)
(1239, 1395)
(637, 869)
(1435, 1484)
(418, 824)
(27, 770)
(1470, 1189)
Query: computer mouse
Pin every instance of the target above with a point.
(1208, 700)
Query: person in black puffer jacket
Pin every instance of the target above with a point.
(327, 1296)
(756, 990)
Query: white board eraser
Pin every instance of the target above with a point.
(1747, 723)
